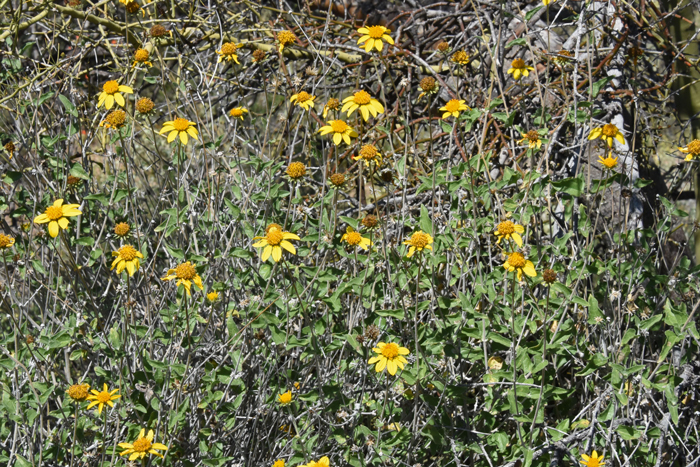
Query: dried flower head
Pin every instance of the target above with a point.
(141, 57)
(258, 55)
(133, 7)
(114, 120)
(549, 276)
(158, 31)
(78, 392)
(370, 221)
(460, 57)
(122, 229)
(443, 47)
(10, 148)
(144, 105)
(337, 179)
(332, 104)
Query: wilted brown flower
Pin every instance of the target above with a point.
(337, 179)
(370, 221)
(258, 55)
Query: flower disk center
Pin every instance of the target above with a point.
(303, 96)
(452, 106)
(506, 228)
(103, 397)
(353, 238)
(274, 237)
(391, 350)
(517, 260)
(419, 240)
(54, 213)
(362, 98)
(116, 119)
(518, 63)
(127, 252)
(185, 271)
(339, 126)
(110, 87)
(229, 48)
(141, 55)
(5, 241)
(368, 152)
(376, 32)
(142, 445)
(532, 135)
(236, 113)
(694, 147)
(181, 124)
(121, 229)
(609, 130)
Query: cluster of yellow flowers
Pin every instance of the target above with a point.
(515, 261)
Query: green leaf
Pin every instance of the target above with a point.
(598, 85)
(596, 362)
(396, 313)
(426, 223)
(519, 41)
(572, 186)
(70, 108)
(627, 432)
(78, 171)
(531, 13)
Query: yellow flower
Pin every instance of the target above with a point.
(141, 57)
(285, 398)
(186, 274)
(460, 57)
(296, 170)
(593, 460)
(78, 392)
(144, 105)
(532, 138)
(389, 356)
(56, 216)
(510, 231)
(547, 2)
(228, 52)
(322, 462)
(363, 101)
(114, 120)
(332, 104)
(369, 153)
(303, 99)
(609, 162)
(341, 131)
(278, 463)
(495, 363)
(126, 257)
(286, 38)
(99, 399)
(353, 238)
(237, 112)
(213, 296)
(453, 108)
(143, 445)
(373, 36)
(126, 2)
(518, 68)
(111, 93)
(418, 241)
(607, 132)
(6, 241)
(274, 240)
(122, 229)
(517, 262)
(692, 150)
(179, 127)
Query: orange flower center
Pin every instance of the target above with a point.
(142, 445)
(333, 104)
(337, 179)
(229, 48)
(127, 253)
(506, 228)
(419, 240)
(54, 212)
(532, 135)
(518, 63)
(694, 147)
(427, 84)
(391, 350)
(116, 119)
(181, 124)
(368, 152)
(362, 98)
(110, 87)
(185, 271)
(236, 113)
(103, 397)
(610, 130)
(303, 96)
(452, 106)
(144, 105)
(460, 57)
(274, 237)
(272, 226)
(121, 229)
(339, 126)
(376, 32)
(141, 55)
(353, 238)
(517, 260)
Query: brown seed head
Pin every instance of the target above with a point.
(258, 55)
(443, 46)
(428, 84)
(370, 221)
(132, 7)
(158, 30)
(549, 276)
(337, 179)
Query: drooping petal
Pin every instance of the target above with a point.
(266, 252)
(381, 364)
(183, 137)
(288, 246)
(517, 239)
(172, 136)
(120, 99)
(63, 223)
(53, 229)
(276, 253)
(109, 102)
(391, 367)
(41, 219)
(337, 138)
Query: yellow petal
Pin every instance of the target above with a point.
(53, 229)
